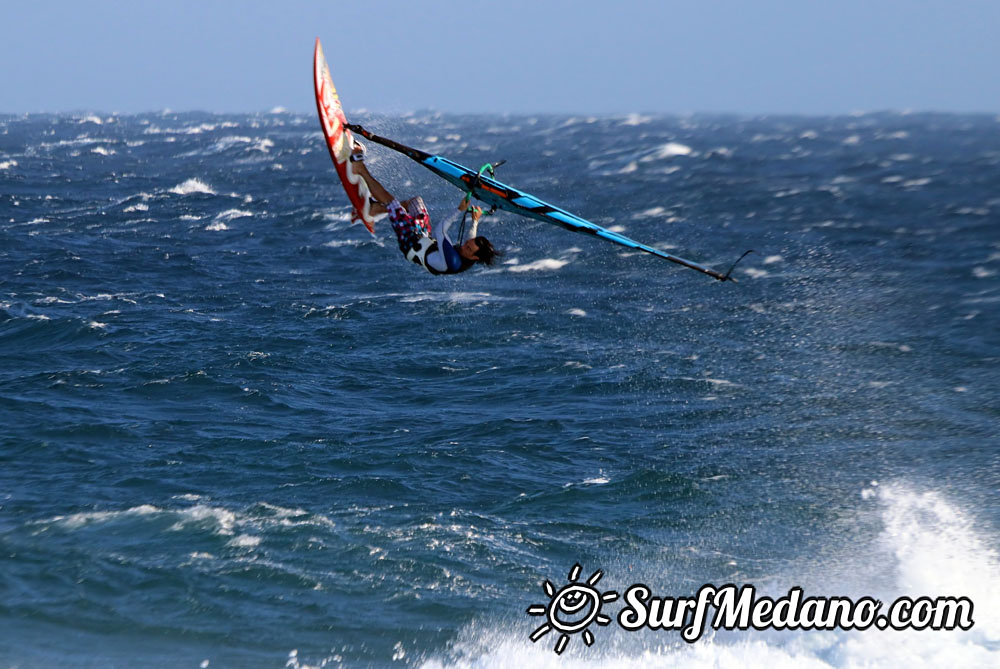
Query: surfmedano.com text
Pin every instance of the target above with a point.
(741, 609)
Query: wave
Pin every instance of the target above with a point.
(930, 546)
(192, 186)
(539, 265)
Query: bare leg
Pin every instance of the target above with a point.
(378, 191)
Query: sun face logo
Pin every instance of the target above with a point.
(572, 609)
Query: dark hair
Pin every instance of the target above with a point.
(485, 252)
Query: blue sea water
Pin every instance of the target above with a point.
(237, 431)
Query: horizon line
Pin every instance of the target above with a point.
(278, 110)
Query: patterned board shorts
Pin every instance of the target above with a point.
(408, 229)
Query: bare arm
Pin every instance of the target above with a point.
(378, 191)
(477, 213)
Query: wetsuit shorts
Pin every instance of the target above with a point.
(408, 229)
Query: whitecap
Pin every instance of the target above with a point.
(983, 273)
(669, 150)
(634, 119)
(230, 214)
(543, 264)
(973, 211)
(77, 520)
(192, 186)
(244, 541)
(223, 520)
(338, 243)
(647, 213)
(457, 297)
(7, 164)
(576, 312)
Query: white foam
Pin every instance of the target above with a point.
(457, 297)
(231, 214)
(636, 119)
(576, 312)
(7, 164)
(222, 521)
(338, 243)
(669, 150)
(926, 545)
(263, 145)
(78, 520)
(538, 265)
(103, 151)
(244, 541)
(769, 260)
(648, 213)
(192, 186)
(136, 207)
(973, 211)
(216, 227)
(983, 273)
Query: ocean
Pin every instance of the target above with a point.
(238, 431)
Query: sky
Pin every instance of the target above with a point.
(520, 56)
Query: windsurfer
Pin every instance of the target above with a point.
(430, 248)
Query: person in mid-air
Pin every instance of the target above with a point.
(431, 249)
